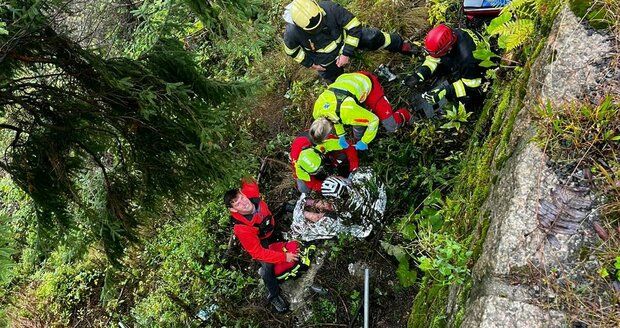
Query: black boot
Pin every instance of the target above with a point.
(279, 304)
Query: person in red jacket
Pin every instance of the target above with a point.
(254, 227)
(314, 160)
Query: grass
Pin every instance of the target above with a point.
(582, 141)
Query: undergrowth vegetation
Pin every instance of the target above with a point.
(583, 142)
(182, 269)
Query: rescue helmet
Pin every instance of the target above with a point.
(306, 14)
(439, 41)
(319, 130)
(308, 163)
(325, 103)
(334, 186)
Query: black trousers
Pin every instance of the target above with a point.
(266, 269)
(371, 39)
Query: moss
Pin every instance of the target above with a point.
(431, 297)
(483, 228)
(593, 12)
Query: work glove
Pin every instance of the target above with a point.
(342, 142)
(412, 80)
(434, 96)
(360, 145)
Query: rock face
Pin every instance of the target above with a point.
(573, 65)
(297, 290)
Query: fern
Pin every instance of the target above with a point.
(516, 24)
(514, 33)
(523, 8)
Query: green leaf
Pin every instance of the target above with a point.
(617, 264)
(484, 54)
(487, 64)
(498, 22)
(3, 30)
(397, 251)
(425, 264)
(445, 270)
(501, 41)
(603, 272)
(409, 231)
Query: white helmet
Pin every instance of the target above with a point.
(334, 186)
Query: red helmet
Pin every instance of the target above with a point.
(439, 41)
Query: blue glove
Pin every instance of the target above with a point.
(342, 142)
(360, 145)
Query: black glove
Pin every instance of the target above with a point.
(412, 80)
(435, 96)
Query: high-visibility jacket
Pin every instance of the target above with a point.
(252, 228)
(341, 104)
(462, 70)
(340, 34)
(328, 147)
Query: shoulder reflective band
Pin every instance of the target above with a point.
(472, 83)
(459, 89)
(459, 86)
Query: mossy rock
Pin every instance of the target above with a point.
(597, 16)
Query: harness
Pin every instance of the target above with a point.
(265, 227)
(341, 95)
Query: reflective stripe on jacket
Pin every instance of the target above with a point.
(328, 146)
(340, 33)
(459, 66)
(350, 112)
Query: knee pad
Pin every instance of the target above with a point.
(390, 124)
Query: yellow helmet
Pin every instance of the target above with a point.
(306, 14)
(324, 104)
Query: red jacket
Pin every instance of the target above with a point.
(303, 142)
(252, 228)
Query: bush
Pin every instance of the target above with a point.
(189, 273)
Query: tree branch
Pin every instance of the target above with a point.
(29, 59)
(11, 127)
(98, 162)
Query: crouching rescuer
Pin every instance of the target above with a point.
(254, 226)
(345, 102)
(450, 55)
(323, 36)
(315, 159)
